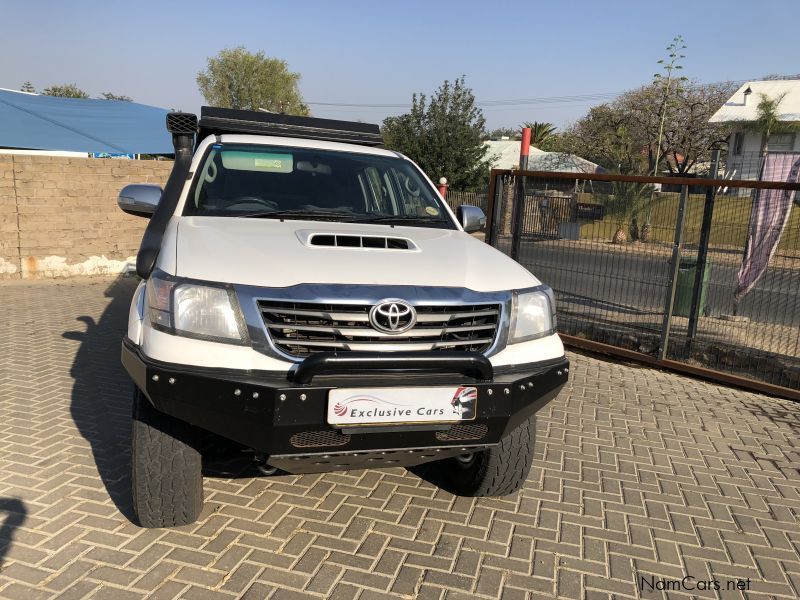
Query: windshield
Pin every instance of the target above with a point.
(239, 180)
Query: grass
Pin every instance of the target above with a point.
(728, 226)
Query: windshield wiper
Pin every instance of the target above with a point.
(295, 214)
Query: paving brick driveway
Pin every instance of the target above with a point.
(638, 473)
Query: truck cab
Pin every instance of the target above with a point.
(310, 296)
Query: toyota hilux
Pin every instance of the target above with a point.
(309, 295)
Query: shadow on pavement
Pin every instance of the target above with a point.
(101, 393)
(15, 515)
(781, 412)
(101, 403)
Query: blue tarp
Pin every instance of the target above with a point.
(47, 123)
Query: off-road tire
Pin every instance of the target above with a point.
(166, 468)
(498, 471)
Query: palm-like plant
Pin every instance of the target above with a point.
(627, 200)
(768, 121)
(541, 132)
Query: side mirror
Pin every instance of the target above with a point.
(140, 199)
(471, 218)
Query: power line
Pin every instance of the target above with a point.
(511, 102)
(506, 102)
(490, 109)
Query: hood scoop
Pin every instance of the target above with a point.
(349, 240)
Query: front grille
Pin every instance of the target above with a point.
(300, 329)
(463, 432)
(317, 439)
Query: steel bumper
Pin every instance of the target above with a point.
(276, 414)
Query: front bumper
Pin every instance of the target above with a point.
(285, 419)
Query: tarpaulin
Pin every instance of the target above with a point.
(35, 122)
(768, 218)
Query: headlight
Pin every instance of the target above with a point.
(193, 310)
(533, 315)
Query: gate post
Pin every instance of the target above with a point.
(702, 250)
(493, 206)
(676, 264)
(520, 194)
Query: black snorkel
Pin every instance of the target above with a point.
(183, 127)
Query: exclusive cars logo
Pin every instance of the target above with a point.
(341, 407)
(464, 401)
(392, 316)
(363, 406)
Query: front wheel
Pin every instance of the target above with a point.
(166, 469)
(498, 471)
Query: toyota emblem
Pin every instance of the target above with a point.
(392, 316)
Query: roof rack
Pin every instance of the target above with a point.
(218, 121)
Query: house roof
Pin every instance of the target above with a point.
(504, 154)
(36, 122)
(735, 108)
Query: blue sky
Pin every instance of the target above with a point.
(379, 52)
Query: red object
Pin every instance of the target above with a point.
(525, 148)
(443, 189)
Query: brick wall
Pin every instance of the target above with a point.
(59, 216)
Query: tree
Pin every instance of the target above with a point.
(624, 204)
(443, 135)
(670, 66)
(623, 135)
(236, 78)
(65, 90)
(666, 121)
(768, 120)
(501, 132)
(110, 96)
(775, 77)
(604, 137)
(677, 131)
(28, 87)
(541, 133)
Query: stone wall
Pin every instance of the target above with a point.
(59, 216)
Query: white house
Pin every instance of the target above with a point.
(744, 146)
(504, 154)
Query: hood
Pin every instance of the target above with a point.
(271, 253)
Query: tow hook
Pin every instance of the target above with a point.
(263, 467)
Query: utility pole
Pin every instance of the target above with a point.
(520, 193)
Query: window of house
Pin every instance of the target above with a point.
(738, 142)
(781, 142)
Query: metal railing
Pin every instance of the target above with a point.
(749, 166)
(657, 275)
(479, 199)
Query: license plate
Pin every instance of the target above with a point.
(368, 406)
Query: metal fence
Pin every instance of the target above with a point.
(751, 166)
(652, 274)
(479, 199)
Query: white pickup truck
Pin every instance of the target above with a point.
(309, 295)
